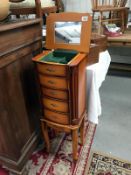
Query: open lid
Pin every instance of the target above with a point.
(69, 31)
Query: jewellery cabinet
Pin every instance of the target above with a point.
(61, 74)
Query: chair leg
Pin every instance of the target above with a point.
(100, 23)
(75, 143)
(122, 21)
(46, 136)
(93, 15)
(93, 22)
(82, 132)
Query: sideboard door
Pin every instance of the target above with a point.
(19, 101)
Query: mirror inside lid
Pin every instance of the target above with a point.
(70, 31)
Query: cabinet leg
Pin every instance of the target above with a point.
(82, 132)
(56, 132)
(75, 143)
(46, 136)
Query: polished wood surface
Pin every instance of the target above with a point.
(63, 86)
(19, 101)
(55, 105)
(50, 69)
(57, 117)
(53, 82)
(63, 96)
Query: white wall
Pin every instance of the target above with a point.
(81, 5)
(77, 5)
(129, 3)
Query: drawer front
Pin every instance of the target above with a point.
(51, 69)
(56, 105)
(63, 95)
(56, 117)
(53, 82)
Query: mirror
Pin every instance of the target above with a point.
(68, 32)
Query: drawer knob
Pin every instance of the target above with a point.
(53, 93)
(54, 105)
(50, 70)
(51, 82)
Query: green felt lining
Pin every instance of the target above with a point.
(59, 56)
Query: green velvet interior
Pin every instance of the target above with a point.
(59, 56)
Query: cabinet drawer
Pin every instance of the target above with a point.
(53, 82)
(63, 95)
(56, 105)
(56, 117)
(51, 69)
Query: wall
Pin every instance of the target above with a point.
(81, 5)
(77, 5)
(129, 3)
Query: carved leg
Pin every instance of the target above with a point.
(82, 131)
(45, 134)
(75, 143)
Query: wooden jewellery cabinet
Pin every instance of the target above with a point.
(62, 77)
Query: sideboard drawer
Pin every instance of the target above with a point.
(56, 117)
(51, 69)
(53, 82)
(59, 94)
(55, 105)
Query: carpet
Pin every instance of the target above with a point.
(102, 164)
(59, 161)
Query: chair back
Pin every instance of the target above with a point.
(96, 4)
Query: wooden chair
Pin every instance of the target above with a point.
(37, 7)
(110, 11)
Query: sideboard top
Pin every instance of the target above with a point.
(17, 24)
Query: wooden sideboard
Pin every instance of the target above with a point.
(19, 101)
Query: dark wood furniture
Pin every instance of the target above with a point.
(63, 85)
(37, 9)
(19, 101)
(100, 41)
(29, 10)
